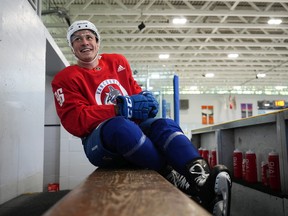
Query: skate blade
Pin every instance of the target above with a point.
(223, 190)
(218, 209)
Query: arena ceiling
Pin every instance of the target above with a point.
(214, 29)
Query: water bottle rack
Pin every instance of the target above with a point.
(261, 134)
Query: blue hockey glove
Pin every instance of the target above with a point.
(152, 103)
(133, 107)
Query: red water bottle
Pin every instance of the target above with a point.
(274, 171)
(244, 169)
(251, 167)
(200, 150)
(205, 154)
(237, 163)
(53, 187)
(213, 158)
(264, 173)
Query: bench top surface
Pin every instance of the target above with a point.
(125, 192)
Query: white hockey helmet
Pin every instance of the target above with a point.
(81, 25)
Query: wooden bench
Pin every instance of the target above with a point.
(125, 193)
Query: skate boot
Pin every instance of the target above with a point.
(212, 188)
(179, 181)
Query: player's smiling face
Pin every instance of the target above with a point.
(84, 45)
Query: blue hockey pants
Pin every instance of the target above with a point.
(153, 144)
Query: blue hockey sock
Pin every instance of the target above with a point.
(176, 147)
(123, 136)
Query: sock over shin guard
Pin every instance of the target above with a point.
(176, 147)
(123, 136)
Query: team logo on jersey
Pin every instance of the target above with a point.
(108, 90)
(111, 95)
(120, 68)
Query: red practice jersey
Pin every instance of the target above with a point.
(84, 97)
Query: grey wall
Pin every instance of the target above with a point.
(22, 80)
(23, 54)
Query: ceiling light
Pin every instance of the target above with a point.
(233, 55)
(150, 88)
(280, 87)
(237, 87)
(209, 75)
(274, 21)
(260, 75)
(193, 87)
(155, 76)
(164, 56)
(179, 21)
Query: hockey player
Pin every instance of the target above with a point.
(98, 101)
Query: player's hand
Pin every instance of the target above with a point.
(133, 107)
(152, 103)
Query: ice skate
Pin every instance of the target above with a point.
(179, 181)
(211, 187)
